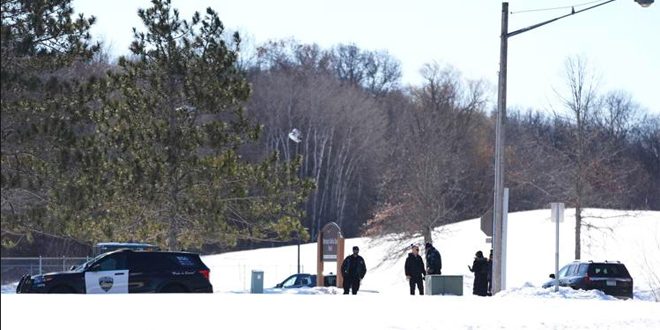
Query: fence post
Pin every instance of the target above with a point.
(40, 266)
(63, 263)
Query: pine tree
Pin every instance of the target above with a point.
(42, 43)
(171, 130)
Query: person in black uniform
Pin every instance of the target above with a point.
(480, 270)
(415, 271)
(353, 270)
(433, 260)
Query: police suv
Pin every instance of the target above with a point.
(126, 271)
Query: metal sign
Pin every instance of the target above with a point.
(557, 212)
(487, 223)
(330, 234)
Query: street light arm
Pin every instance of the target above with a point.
(532, 27)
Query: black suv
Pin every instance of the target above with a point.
(126, 271)
(610, 277)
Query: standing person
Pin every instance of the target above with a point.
(433, 260)
(490, 273)
(353, 269)
(480, 270)
(415, 270)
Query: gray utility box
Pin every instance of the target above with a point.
(257, 282)
(444, 284)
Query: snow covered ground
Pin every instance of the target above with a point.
(632, 237)
(383, 303)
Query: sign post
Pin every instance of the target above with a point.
(557, 215)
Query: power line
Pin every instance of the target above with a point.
(556, 8)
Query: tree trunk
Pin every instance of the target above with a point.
(578, 229)
(172, 242)
(428, 237)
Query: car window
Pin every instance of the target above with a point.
(111, 262)
(289, 281)
(608, 270)
(147, 261)
(153, 261)
(307, 281)
(562, 271)
(303, 280)
(571, 270)
(330, 280)
(582, 270)
(185, 260)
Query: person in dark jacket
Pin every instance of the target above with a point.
(480, 270)
(353, 270)
(433, 260)
(415, 270)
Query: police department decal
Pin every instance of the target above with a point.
(106, 283)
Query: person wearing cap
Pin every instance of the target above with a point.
(353, 270)
(433, 260)
(415, 270)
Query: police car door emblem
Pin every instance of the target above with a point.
(106, 283)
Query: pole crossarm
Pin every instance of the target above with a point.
(573, 12)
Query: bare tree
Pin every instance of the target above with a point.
(646, 151)
(435, 160)
(376, 71)
(619, 114)
(597, 169)
(342, 130)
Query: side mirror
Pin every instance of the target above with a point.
(552, 275)
(279, 285)
(72, 267)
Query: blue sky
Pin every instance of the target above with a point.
(619, 40)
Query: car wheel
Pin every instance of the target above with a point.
(173, 288)
(62, 289)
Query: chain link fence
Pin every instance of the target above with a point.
(14, 268)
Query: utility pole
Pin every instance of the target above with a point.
(498, 203)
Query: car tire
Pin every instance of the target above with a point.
(173, 288)
(62, 289)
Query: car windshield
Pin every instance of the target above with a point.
(289, 281)
(86, 264)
